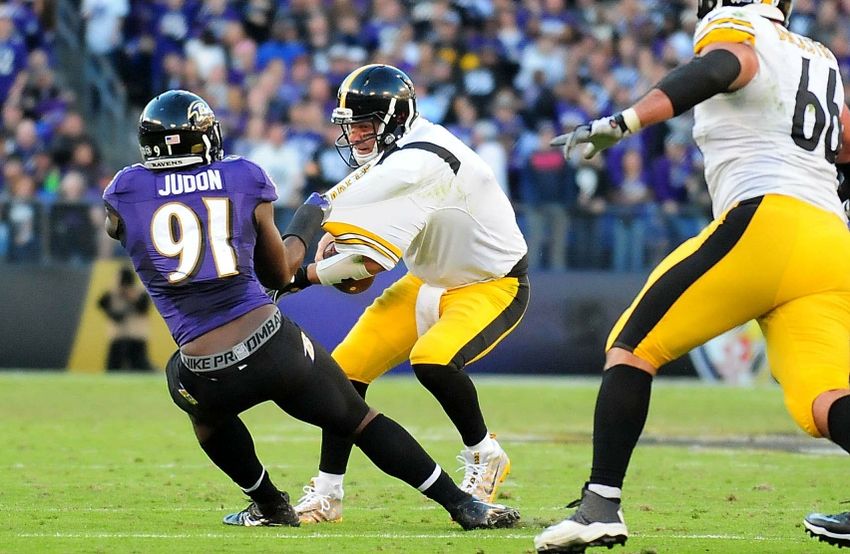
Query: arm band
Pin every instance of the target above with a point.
(305, 224)
(700, 79)
(334, 270)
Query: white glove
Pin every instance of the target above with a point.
(599, 134)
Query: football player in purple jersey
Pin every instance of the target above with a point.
(200, 231)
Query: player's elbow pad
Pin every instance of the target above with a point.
(700, 79)
(339, 267)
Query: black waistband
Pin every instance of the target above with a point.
(754, 200)
(520, 268)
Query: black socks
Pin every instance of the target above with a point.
(395, 452)
(336, 450)
(839, 422)
(621, 409)
(231, 448)
(455, 392)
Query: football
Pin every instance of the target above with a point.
(348, 286)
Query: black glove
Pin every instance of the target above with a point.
(844, 186)
(299, 282)
(843, 181)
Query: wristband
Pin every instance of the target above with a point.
(631, 120)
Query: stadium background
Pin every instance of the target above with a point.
(503, 75)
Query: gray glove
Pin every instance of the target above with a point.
(598, 135)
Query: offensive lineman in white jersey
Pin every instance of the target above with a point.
(771, 123)
(419, 195)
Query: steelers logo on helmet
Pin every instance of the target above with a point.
(178, 129)
(376, 105)
(779, 10)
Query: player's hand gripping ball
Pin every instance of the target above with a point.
(348, 286)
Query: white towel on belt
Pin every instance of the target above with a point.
(427, 307)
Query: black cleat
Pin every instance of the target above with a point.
(597, 522)
(476, 514)
(281, 514)
(832, 529)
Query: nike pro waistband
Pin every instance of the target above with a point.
(222, 360)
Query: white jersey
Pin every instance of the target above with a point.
(778, 134)
(432, 202)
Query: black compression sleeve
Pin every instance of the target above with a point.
(700, 79)
(305, 224)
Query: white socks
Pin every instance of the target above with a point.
(486, 446)
(611, 493)
(329, 484)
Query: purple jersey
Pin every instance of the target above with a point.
(13, 59)
(191, 237)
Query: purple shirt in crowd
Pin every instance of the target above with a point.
(191, 236)
(13, 59)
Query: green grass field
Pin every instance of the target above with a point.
(108, 464)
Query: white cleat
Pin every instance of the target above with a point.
(483, 473)
(597, 522)
(315, 507)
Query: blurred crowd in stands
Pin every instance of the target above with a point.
(504, 75)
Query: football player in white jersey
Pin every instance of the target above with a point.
(771, 123)
(420, 195)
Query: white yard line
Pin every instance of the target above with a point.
(712, 537)
(316, 535)
(74, 509)
(275, 536)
